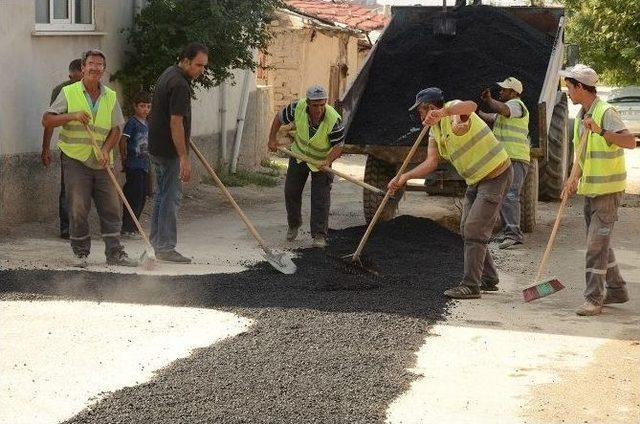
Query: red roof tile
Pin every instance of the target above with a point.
(354, 16)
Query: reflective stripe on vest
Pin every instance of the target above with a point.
(603, 166)
(318, 146)
(74, 140)
(475, 154)
(513, 133)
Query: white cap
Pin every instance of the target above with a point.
(316, 92)
(511, 83)
(581, 73)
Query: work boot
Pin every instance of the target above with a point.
(463, 292)
(119, 257)
(292, 233)
(589, 309)
(487, 284)
(319, 241)
(172, 256)
(507, 243)
(81, 261)
(621, 296)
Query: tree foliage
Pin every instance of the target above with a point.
(231, 29)
(608, 35)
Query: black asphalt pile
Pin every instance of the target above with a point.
(326, 346)
(490, 46)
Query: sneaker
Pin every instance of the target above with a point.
(81, 262)
(507, 243)
(487, 284)
(319, 241)
(463, 292)
(609, 298)
(172, 256)
(122, 259)
(496, 238)
(292, 233)
(589, 309)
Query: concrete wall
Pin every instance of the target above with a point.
(33, 64)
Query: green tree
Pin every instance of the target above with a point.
(231, 29)
(608, 35)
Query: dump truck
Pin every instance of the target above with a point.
(490, 44)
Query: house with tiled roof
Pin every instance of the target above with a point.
(317, 42)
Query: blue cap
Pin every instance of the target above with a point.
(428, 95)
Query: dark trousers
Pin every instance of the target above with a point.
(297, 175)
(135, 190)
(480, 212)
(63, 211)
(600, 214)
(82, 185)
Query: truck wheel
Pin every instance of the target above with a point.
(529, 199)
(378, 173)
(553, 168)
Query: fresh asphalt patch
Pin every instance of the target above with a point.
(327, 345)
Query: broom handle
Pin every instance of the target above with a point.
(331, 170)
(115, 183)
(556, 225)
(387, 195)
(222, 187)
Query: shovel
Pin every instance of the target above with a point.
(551, 285)
(443, 23)
(280, 261)
(355, 258)
(331, 170)
(148, 257)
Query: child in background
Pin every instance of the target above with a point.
(134, 152)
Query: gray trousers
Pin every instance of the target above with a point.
(600, 213)
(82, 184)
(510, 211)
(480, 213)
(297, 175)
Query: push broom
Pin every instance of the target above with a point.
(148, 258)
(551, 285)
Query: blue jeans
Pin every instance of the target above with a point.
(164, 232)
(510, 211)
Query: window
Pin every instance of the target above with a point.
(65, 15)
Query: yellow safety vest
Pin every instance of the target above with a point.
(513, 133)
(74, 140)
(474, 154)
(318, 146)
(603, 167)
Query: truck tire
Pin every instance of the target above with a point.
(378, 173)
(529, 199)
(553, 168)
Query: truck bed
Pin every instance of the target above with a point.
(491, 44)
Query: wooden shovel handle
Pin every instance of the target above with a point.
(386, 197)
(563, 203)
(116, 185)
(331, 170)
(229, 197)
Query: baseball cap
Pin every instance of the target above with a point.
(428, 95)
(581, 73)
(511, 83)
(316, 92)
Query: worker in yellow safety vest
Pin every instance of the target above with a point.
(89, 103)
(602, 181)
(319, 135)
(510, 122)
(458, 135)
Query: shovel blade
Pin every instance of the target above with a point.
(280, 261)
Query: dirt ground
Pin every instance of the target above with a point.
(529, 363)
